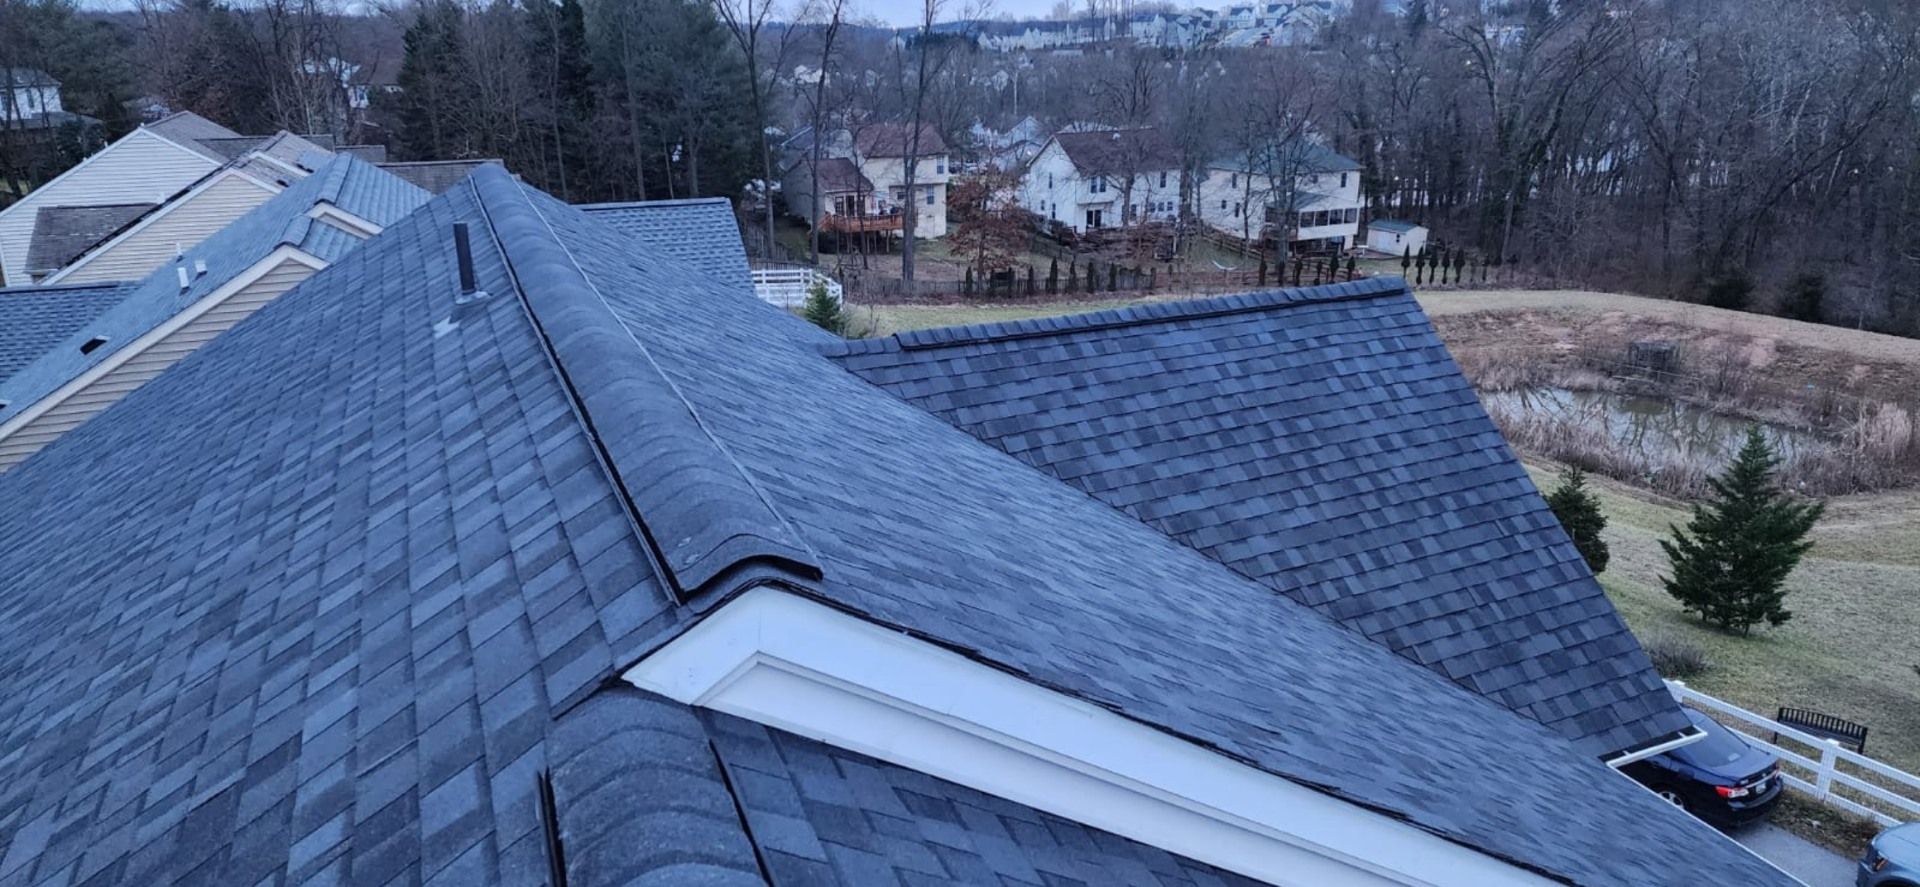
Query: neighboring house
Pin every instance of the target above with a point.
(27, 94)
(188, 302)
(1104, 178)
(148, 165)
(847, 203)
(133, 249)
(1013, 149)
(700, 232)
(1396, 238)
(1302, 191)
(880, 151)
(33, 319)
(62, 234)
(595, 570)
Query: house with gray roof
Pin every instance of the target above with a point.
(1088, 179)
(1298, 191)
(200, 294)
(530, 554)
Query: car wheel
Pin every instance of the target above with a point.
(1672, 797)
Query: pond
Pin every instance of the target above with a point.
(1649, 426)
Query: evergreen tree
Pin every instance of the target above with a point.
(434, 86)
(1351, 266)
(1730, 291)
(1263, 270)
(823, 310)
(1805, 298)
(1406, 260)
(1731, 562)
(1093, 282)
(1073, 277)
(1029, 280)
(1053, 276)
(1113, 278)
(967, 288)
(557, 59)
(1579, 513)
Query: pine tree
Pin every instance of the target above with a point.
(968, 289)
(1804, 298)
(1030, 281)
(1579, 513)
(435, 90)
(1731, 562)
(823, 310)
(1351, 265)
(1263, 270)
(1053, 276)
(1113, 278)
(1073, 277)
(1406, 260)
(1093, 282)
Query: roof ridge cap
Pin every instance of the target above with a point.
(1130, 315)
(696, 507)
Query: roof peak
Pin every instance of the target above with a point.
(706, 522)
(1131, 315)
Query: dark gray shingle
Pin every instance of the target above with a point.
(62, 233)
(701, 232)
(1323, 442)
(36, 318)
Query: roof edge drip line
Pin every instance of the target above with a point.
(696, 508)
(1156, 312)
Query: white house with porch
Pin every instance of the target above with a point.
(1302, 191)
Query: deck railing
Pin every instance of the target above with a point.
(1814, 766)
(787, 286)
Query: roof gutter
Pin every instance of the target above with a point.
(1687, 737)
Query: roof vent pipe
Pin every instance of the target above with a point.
(463, 252)
(182, 271)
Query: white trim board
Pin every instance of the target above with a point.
(343, 220)
(267, 265)
(791, 663)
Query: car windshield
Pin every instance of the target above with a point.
(1720, 746)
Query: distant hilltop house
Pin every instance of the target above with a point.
(1013, 148)
(1301, 191)
(1260, 24)
(1093, 179)
(863, 180)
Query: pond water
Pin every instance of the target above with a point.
(1651, 426)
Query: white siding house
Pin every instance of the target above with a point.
(879, 152)
(1103, 179)
(215, 202)
(142, 167)
(26, 93)
(1306, 193)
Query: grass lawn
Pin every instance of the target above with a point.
(1849, 649)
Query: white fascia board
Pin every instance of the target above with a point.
(1691, 736)
(154, 218)
(791, 663)
(345, 221)
(244, 279)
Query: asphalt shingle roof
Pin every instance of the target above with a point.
(195, 133)
(349, 184)
(36, 318)
(917, 526)
(1124, 151)
(701, 232)
(1323, 442)
(434, 176)
(333, 623)
(62, 233)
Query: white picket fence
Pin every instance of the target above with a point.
(1819, 767)
(788, 286)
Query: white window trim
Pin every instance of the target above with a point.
(154, 218)
(272, 262)
(791, 663)
(345, 221)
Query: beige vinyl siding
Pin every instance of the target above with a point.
(183, 225)
(89, 401)
(140, 168)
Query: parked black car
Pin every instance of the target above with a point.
(1721, 779)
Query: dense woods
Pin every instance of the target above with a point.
(1755, 153)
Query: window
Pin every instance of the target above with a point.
(929, 194)
(1343, 180)
(1353, 214)
(898, 193)
(1098, 185)
(1236, 210)
(1233, 180)
(940, 167)
(1093, 218)
(1163, 179)
(1049, 181)
(1223, 206)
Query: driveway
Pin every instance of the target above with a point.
(1797, 856)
